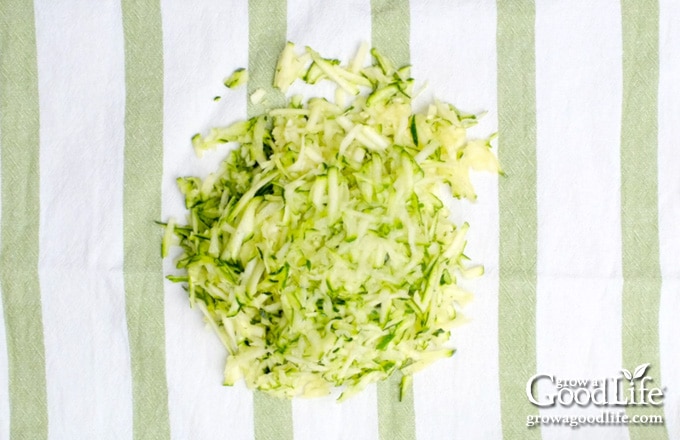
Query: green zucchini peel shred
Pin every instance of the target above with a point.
(237, 78)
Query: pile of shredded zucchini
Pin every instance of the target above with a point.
(321, 251)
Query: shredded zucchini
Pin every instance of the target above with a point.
(321, 251)
(237, 78)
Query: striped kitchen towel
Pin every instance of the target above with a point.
(574, 329)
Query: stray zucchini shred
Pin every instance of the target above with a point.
(237, 78)
(321, 251)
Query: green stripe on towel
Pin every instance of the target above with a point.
(390, 34)
(391, 29)
(143, 167)
(396, 419)
(266, 38)
(20, 143)
(517, 210)
(639, 208)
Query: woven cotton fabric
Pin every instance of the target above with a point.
(579, 237)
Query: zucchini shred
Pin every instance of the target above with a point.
(321, 251)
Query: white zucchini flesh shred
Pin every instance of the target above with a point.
(321, 251)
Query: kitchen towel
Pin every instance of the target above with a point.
(579, 238)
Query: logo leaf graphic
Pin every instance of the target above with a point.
(627, 374)
(640, 371)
